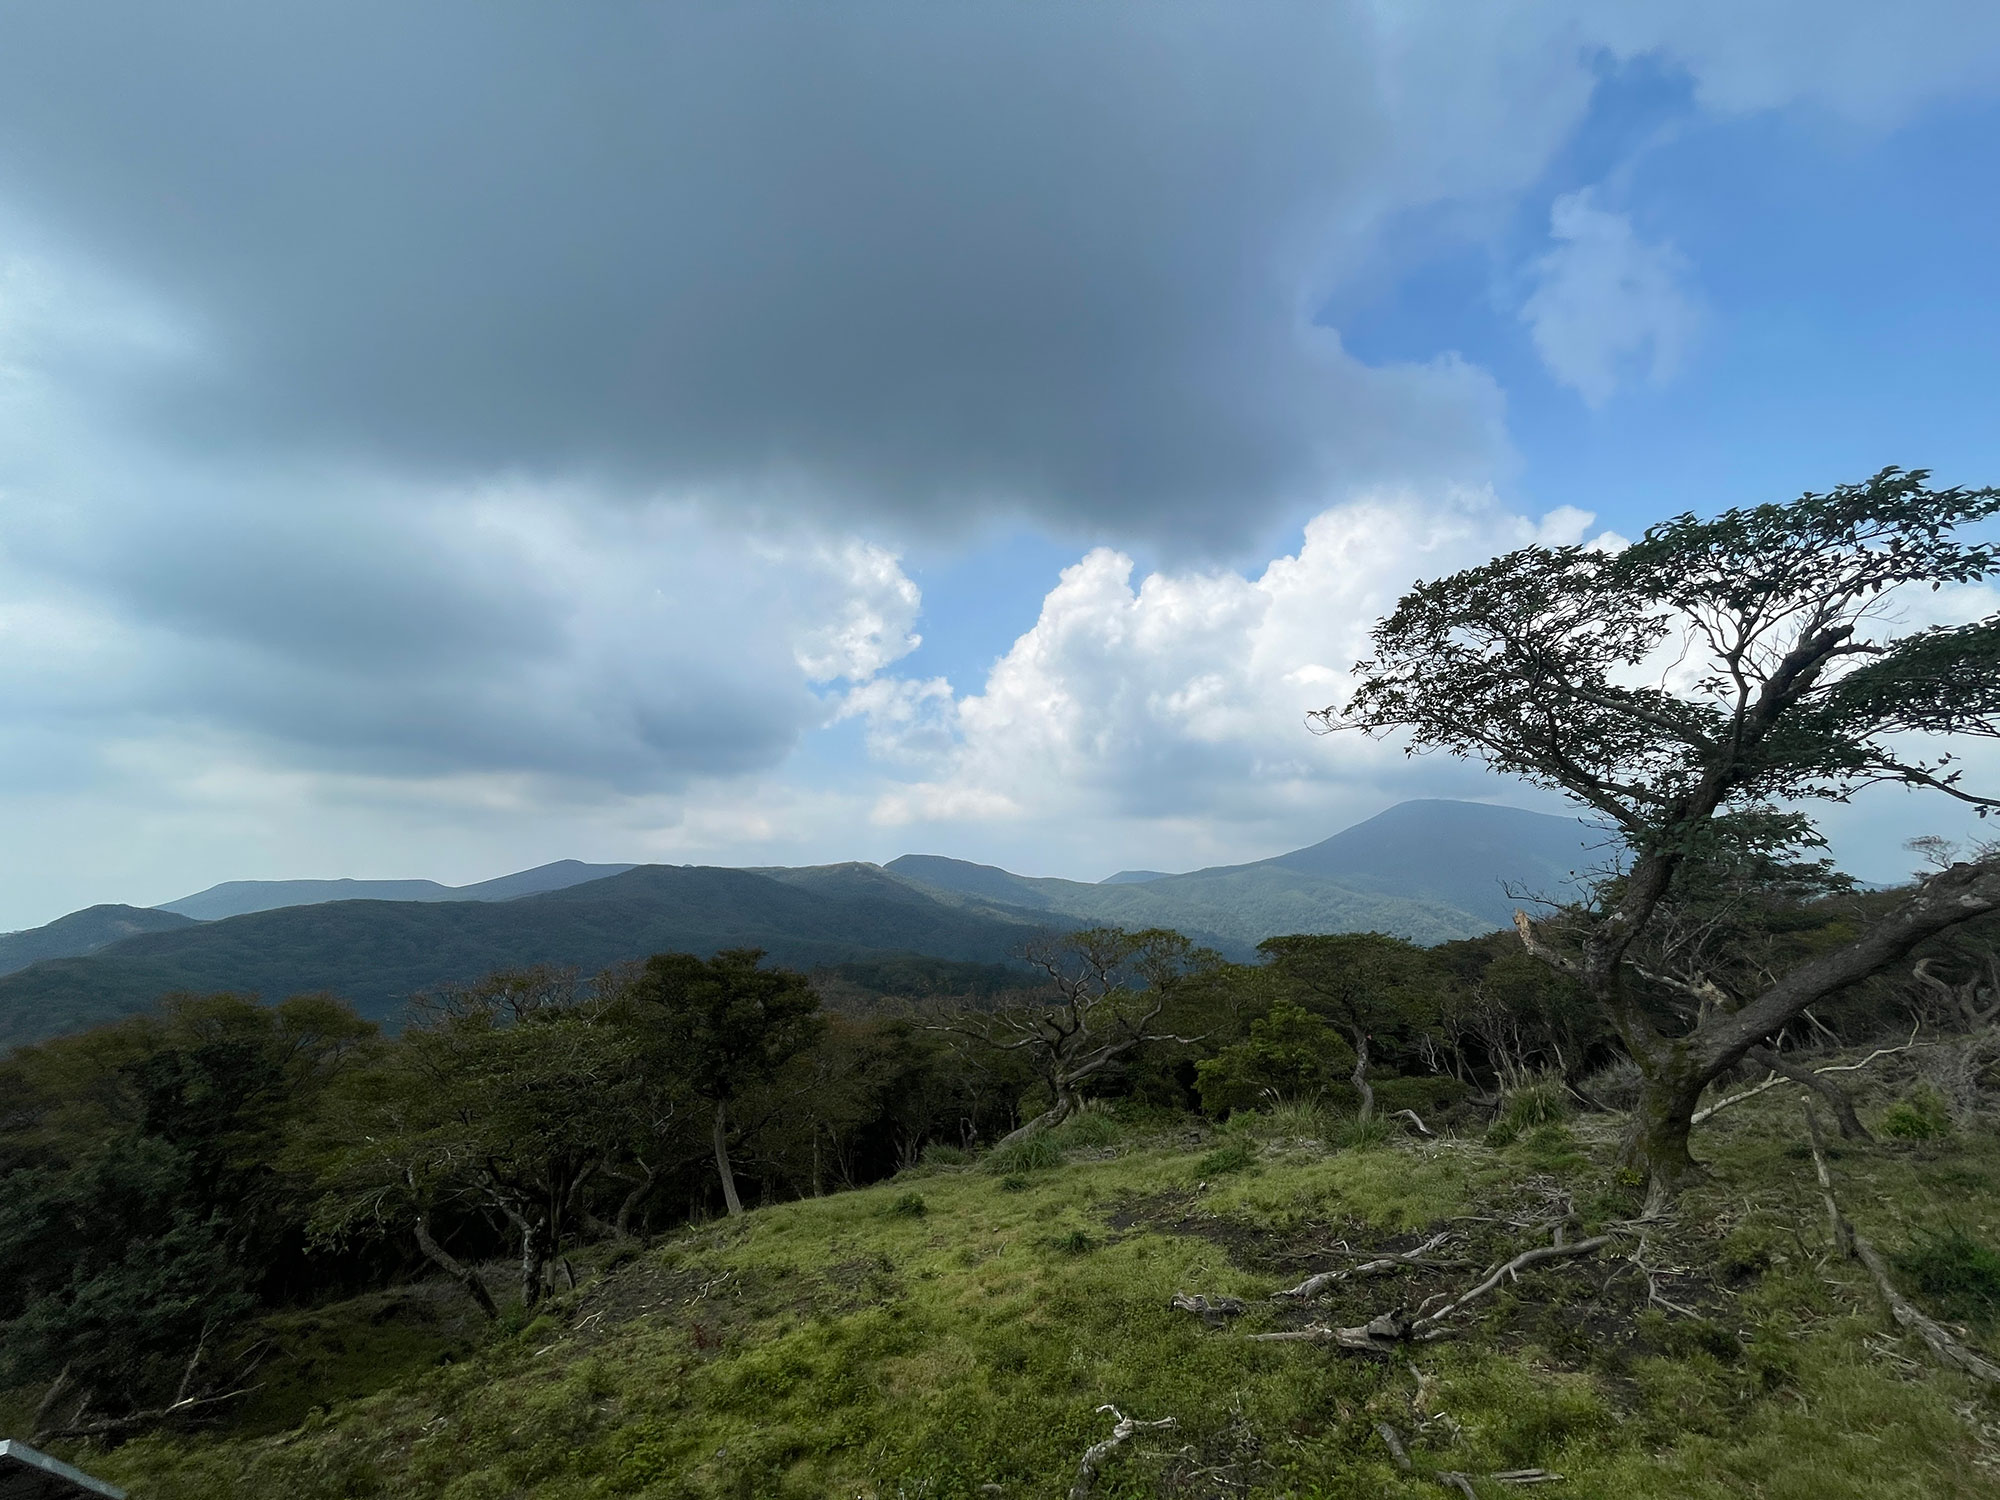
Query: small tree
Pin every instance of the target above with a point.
(1714, 669)
(1366, 983)
(1106, 993)
(723, 1025)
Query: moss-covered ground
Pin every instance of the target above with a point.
(956, 1332)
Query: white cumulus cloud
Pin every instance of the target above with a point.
(1607, 304)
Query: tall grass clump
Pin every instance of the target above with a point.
(1530, 1107)
(1037, 1153)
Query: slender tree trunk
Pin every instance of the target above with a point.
(1367, 1110)
(629, 1204)
(722, 1168)
(456, 1269)
(1850, 1124)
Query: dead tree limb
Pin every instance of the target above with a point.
(1781, 1078)
(1454, 1479)
(1851, 1128)
(1948, 1350)
(1093, 1459)
(1381, 1265)
(1214, 1311)
(1389, 1331)
(1416, 1122)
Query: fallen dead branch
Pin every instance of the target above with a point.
(1948, 1350)
(1211, 1310)
(1416, 1122)
(1455, 1479)
(1388, 1331)
(1777, 1079)
(1380, 1265)
(1122, 1430)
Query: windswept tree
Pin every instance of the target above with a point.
(1369, 984)
(723, 1026)
(1687, 689)
(1106, 993)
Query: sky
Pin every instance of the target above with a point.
(441, 438)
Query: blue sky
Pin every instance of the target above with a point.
(443, 440)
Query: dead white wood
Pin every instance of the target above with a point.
(1776, 1079)
(1948, 1350)
(1415, 1120)
(1211, 1310)
(1381, 1265)
(1428, 1326)
(1455, 1479)
(1122, 1431)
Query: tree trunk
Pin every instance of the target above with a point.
(629, 1204)
(1367, 1110)
(456, 1269)
(1851, 1128)
(1657, 1141)
(722, 1169)
(1066, 1105)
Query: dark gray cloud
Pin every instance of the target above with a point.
(911, 258)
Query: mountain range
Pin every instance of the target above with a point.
(1430, 871)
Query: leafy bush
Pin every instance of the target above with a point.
(1956, 1275)
(1289, 1053)
(1921, 1115)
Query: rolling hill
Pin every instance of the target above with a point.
(236, 898)
(378, 953)
(1429, 871)
(83, 932)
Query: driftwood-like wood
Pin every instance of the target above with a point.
(1122, 1431)
(1387, 1332)
(1455, 1479)
(1949, 1351)
(1380, 1265)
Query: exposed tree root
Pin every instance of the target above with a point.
(1455, 1479)
(1948, 1350)
(1122, 1431)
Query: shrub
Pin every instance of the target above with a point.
(909, 1206)
(1956, 1275)
(1076, 1242)
(1921, 1115)
(1014, 1184)
(944, 1154)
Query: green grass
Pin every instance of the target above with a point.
(853, 1346)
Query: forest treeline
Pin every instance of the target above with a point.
(167, 1178)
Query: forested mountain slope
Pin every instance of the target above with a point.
(375, 954)
(83, 932)
(235, 898)
(1428, 871)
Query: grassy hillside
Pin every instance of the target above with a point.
(378, 953)
(957, 1332)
